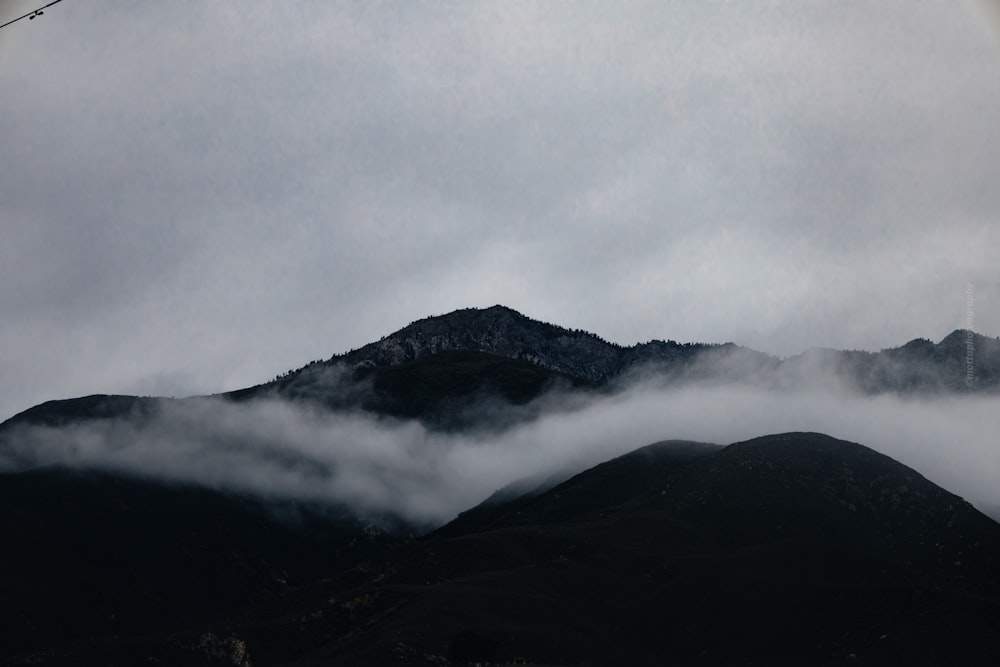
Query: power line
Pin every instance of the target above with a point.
(31, 15)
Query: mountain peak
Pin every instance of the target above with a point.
(963, 336)
(500, 308)
(498, 330)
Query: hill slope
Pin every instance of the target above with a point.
(90, 555)
(788, 549)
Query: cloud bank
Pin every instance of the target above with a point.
(278, 449)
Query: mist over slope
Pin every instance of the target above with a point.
(962, 361)
(789, 549)
(286, 449)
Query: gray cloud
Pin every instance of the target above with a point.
(197, 196)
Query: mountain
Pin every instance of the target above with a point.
(447, 390)
(507, 333)
(576, 357)
(497, 330)
(963, 361)
(788, 549)
(440, 370)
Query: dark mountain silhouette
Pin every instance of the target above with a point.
(787, 549)
(783, 550)
(504, 332)
(441, 369)
(497, 330)
(73, 410)
(917, 366)
(451, 389)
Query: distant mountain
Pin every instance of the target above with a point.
(441, 369)
(500, 331)
(507, 333)
(917, 366)
(788, 549)
(963, 361)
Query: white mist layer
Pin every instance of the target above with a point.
(274, 448)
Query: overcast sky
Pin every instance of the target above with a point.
(196, 196)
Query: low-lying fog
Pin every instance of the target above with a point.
(276, 448)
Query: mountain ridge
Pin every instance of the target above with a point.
(578, 359)
(505, 332)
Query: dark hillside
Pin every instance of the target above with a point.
(783, 550)
(607, 485)
(75, 410)
(500, 331)
(90, 555)
(791, 549)
(448, 390)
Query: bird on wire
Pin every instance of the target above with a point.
(31, 16)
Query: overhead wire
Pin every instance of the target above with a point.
(31, 15)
